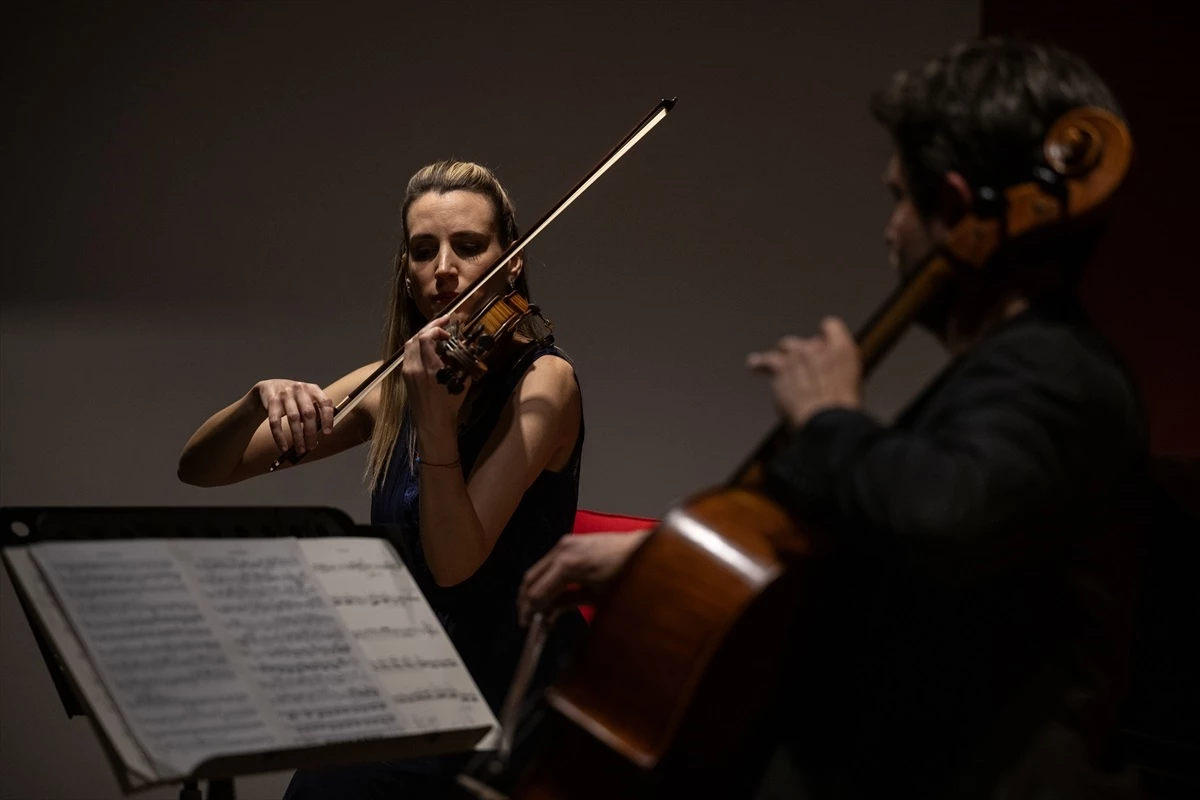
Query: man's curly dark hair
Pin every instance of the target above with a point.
(983, 110)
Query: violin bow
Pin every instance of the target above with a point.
(347, 404)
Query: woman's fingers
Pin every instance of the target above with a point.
(292, 412)
(302, 395)
(324, 410)
(276, 420)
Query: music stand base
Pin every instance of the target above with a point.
(218, 789)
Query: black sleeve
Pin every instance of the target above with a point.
(1035, 419)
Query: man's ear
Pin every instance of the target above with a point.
(955, 200)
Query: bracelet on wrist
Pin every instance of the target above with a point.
(453, 463)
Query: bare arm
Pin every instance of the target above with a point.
(462, 517)
(244, 438)
(577, 569)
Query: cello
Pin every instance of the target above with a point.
(667, 694)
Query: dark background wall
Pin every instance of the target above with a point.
(1143, 290)
(1145, 283)
(202, 195)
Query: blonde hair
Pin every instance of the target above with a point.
(404, 318)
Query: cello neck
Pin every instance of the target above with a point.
(875, 339)
(1087, 154)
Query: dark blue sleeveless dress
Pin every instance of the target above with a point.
(480, 613)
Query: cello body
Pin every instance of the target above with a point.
(670, 705)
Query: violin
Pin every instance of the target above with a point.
(485, 335)
(668, 693)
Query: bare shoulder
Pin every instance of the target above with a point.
(549, 380)
(549, 408)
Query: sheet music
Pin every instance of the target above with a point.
(95, 696)
(156, 650)
(211, 647)
(290, 640)
(217, 646)
(403, 640)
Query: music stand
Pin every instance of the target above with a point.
(24, 525)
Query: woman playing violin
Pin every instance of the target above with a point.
(478, 485)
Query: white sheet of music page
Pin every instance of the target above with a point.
(405, 643)
(95, 696)
(217, 646)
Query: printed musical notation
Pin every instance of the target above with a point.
(150, 640)
(219, 646)
(413, 663)
(398, 631)
(411, 655)
(394, 599)
(290, 639)
(97, 699)
(436, 692)
(372, 569)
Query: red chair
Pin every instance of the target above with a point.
(599, 522)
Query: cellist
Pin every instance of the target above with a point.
(975, 644)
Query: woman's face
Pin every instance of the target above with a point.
(452, 240)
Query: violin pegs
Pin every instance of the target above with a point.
(452, 379)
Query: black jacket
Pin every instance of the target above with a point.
(977, 618)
